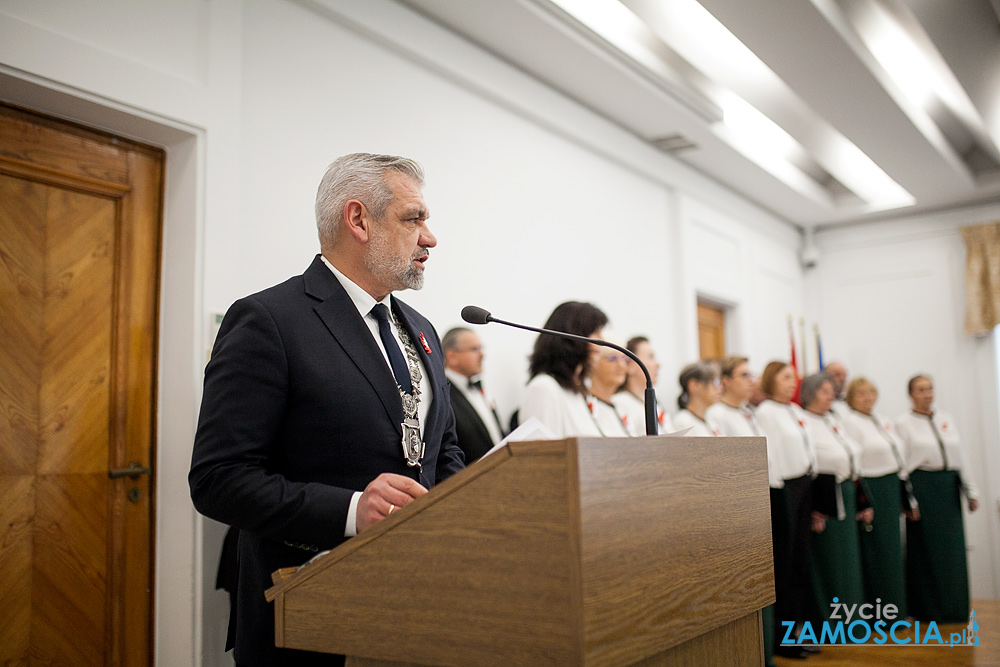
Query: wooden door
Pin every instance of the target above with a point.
(79, 268)
(711, 332)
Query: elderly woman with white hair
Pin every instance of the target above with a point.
(835, 550)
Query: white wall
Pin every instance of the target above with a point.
(889, 298)
(534, 200)
(754, 273)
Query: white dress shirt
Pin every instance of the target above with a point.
(923, 450)
(633, 412)
(837, 453)
(699, 428)
(840, 409)
(479, 400)
(609, 422)
(563, 412)
(881, 449)
(364, 302)
(788, 443)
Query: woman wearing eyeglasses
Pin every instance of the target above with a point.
(937, 575)
(732, 416)
(700, 389)
(608, 373)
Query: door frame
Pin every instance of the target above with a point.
(732, 311)
(179, 576)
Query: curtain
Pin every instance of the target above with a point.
(982, 278)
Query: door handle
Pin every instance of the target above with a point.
(135, 470)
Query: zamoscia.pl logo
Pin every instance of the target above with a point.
(860, 624)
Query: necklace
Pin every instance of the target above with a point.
(413, 444)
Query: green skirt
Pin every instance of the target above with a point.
(882, 547)
(937, 574)
(767, 621)
(835, 558)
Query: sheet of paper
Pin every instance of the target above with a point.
(532, 429)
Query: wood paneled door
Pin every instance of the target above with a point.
(711, 331)
(79, 279)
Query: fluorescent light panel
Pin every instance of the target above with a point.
(690, 31)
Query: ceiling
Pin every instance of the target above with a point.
(822, 111)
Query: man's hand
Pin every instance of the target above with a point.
(818, 522)
(386, 493)
(973, 504)
(866, 515)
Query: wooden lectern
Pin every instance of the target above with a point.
(586, 551)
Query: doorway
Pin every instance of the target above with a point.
(711, 331)
(80, 229)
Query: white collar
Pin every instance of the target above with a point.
(363, 301)
(457, 379)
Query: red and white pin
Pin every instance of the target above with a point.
(423, 341)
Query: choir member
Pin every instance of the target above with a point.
(630, 399)
(557, 393)
(883, 469)
(937, 577)
(700, 388)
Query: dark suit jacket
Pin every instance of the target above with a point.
(473, 437)
(300, 410)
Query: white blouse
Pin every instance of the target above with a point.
(730, 421)
(699, 428)
(563, 412)
(788, 442)
(837, 453)
(633, 413)
(881, 449)
(609, 422)
(924, 452)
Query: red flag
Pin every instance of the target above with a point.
(794, 363)
(791, 337)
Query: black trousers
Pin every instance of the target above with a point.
(791, 526)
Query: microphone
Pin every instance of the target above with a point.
(477, 315)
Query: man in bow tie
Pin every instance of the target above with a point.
(476, 419)
(326, 405)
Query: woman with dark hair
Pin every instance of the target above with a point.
(557, 394)
(883, 468)
(700, 389)
(790, 448)
(937, 575)
(630, 399)
(837, 495)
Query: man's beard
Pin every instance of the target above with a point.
(395, 272)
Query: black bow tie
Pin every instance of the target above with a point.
(476, 384)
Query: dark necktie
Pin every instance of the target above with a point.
(396, 361)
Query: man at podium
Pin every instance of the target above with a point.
(325, 405)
